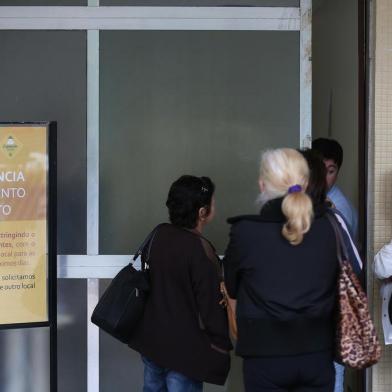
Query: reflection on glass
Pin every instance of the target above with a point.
(43, 77)
(72, 335)
(204, 103)
(25, 365)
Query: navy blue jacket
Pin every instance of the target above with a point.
(286, 294)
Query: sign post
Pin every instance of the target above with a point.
(28, 254)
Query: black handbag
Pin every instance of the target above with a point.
(122, 305)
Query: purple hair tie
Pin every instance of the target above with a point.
(295, 188)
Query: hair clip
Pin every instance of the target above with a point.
(295, 188)
(204, 189)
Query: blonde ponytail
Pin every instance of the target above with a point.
(298, 209)
(283, 169)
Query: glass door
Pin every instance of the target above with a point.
(186, 102)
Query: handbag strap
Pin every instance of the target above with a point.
(202, 237)
(219, 262)
(147, 242)
(341, 248)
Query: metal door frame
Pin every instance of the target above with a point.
(94, 18)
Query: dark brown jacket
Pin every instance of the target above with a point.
(184, 328)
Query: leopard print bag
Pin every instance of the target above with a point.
(357, 345)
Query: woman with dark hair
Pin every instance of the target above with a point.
(317, 190)
(183, 336)
(317, 186)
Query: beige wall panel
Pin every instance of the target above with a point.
(382, 373)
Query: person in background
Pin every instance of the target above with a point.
(281, 266)
(383, 270)
(183, 335)
(317, 190)
(383, 262)
(332, 154)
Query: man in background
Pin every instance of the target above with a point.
(332, 153)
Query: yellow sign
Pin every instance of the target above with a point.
(23, 224)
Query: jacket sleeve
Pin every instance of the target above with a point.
(232, 263)
(383, 262)
(206, 288)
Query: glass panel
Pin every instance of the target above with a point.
(197, 102)
(27, 350)
(42, 2)
(335, 85)
(43, 77)
(205, 3)
(72, 335)
(25, 365)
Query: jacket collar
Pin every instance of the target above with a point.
(272, 212)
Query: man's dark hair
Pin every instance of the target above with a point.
(186, 196)
(329, 149)
(317, 186)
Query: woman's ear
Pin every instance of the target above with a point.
(261, 185)
(202, 213)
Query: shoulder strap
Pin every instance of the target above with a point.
(202, 237)
(147, 242)
(341, 249)
(209, 243)
(219, 264)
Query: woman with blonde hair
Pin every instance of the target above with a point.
(281, 266)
